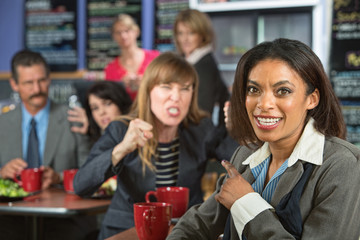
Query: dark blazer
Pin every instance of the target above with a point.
(198, 143)
(63, 148)
(329, 205)
(212, 88)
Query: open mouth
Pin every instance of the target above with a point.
(173, 111)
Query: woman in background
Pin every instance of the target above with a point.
(104, 102)
(164, 140)
(194, 39)
(131, 64)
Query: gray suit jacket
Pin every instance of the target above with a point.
(329, 205)
(63, 148)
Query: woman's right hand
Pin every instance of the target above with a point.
(233, 188)
(78, 115)
(138, 133)
(132, 81)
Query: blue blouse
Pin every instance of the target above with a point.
(260, 172)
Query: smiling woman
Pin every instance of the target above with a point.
(277, 100)
(165, 136)
(289, 178)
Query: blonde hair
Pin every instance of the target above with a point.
(198, 22)
(166, 68)
(127, 20)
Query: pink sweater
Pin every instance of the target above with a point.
(115, 72)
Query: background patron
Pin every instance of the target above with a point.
(194, 39)
(132, 62)
(58, 147)
(104, 102)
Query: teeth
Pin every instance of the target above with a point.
(173, 110)
(268, 121)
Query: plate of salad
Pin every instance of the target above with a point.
(11, 191)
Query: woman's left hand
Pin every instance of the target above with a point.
(234, 187)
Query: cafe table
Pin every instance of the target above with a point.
(129, 234)
(53, 202)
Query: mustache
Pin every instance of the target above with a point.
(41, 94)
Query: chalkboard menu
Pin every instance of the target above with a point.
(101, 49)
(345, 48)
(166, 12)
(50, 28)
(345, 62)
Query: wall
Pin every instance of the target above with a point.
(12, 29)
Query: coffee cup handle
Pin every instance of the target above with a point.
(148, 194)
(147, 222)
(17, 180)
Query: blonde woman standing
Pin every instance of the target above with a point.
(133, 60)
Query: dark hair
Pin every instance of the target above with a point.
(27, 58)
(107, 90)
(327, 114)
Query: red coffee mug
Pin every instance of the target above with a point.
(69, 175)
(177, 196)
(152, 220)
(31, 179)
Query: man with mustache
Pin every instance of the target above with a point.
(58, 147)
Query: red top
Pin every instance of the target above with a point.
(114, 71)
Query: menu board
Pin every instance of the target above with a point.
(166, 12)
(345, 63)
(101, 49)
(50, 28)
(345, 48)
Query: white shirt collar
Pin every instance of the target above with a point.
(198, 53)
(309, 148)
